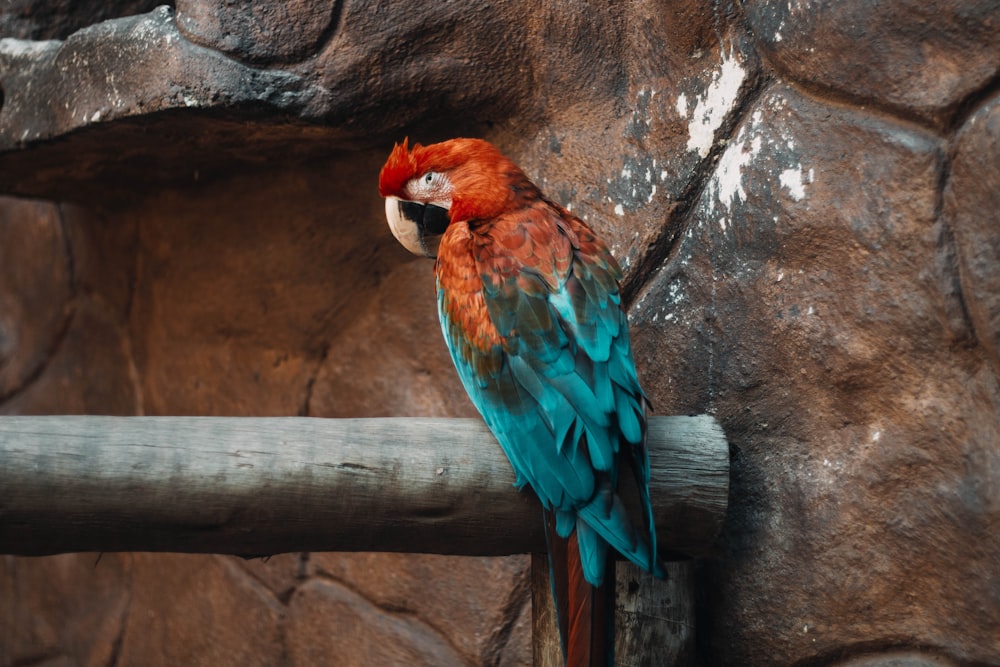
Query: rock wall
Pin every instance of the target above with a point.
(804, 196)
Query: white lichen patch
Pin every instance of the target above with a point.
(674, 292)
(711, 108)
(791, 179)
(766, 146)
(726, 185)
(795, 180)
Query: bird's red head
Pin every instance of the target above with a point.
(468, 178)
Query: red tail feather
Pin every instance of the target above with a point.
(586, 613)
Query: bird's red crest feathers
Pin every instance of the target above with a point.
(398, 169)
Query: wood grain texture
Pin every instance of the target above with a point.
(545, 643)
(258, 486)
(654, 618)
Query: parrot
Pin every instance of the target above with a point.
(530, 306)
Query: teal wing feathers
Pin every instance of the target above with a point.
(559, 387)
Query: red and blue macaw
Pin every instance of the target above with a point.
(529, 303)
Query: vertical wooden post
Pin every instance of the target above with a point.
(545, 647)
(654, 619)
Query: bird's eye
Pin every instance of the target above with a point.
(429, 186)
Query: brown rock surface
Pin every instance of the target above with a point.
(392, 360)
(258, 31)
(376, 636)
(62, 321)
(804, 308)
(972, 202)
(804, 198)
(917, 58)
(89, 372)
(204, 610)
(57, 19)
(436, 589)
(862, 459)
(66, 609)
(126, 68)
(237, 297)
(35, 308)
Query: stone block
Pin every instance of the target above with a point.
(972, 202)
(918, 59)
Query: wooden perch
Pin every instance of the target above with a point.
(258, 486)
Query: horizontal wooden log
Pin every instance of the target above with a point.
(258, 486)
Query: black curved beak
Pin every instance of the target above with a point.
(417, 226)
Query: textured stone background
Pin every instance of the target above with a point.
(805, 195)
